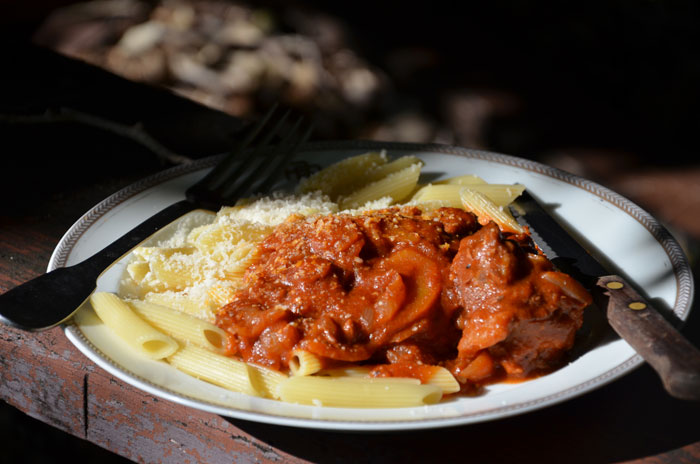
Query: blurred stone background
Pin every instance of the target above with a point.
(607, 90)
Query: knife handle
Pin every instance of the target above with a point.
(661, 345)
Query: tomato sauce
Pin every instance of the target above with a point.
(400, 289)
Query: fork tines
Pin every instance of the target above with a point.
(256, 161)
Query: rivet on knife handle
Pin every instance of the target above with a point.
(673, 357)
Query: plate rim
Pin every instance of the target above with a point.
(679, 264)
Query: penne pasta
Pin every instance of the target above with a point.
(444, 379)
(450, 194)
(397, 186)
(181, 326)
(486, 210)
(172, 274)
(347, 371)
(182, 302)
(208, 239)
(135, 283)
(162, 269)
(238, 261)
(381, 171)
(221, 294)
(357, 392)
(138, 270)
(468, 179)
(500, 194)
(439, 376)
(304, 363)
(214, 368)
(227, 372)
(382, 380)
(344, 176)
(118, 316)
(266, 381)
(445, 195)
(140, 276)
(147, 253)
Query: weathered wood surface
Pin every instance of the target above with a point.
(43, 375)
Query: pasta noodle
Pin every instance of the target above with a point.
(442, 378)
(382, 171)
(445, 195)
(213, 368)
(369, 393)
(118, 316)
(397, 186)
(439, 376)
(501, 195)
(343, 177)
(467, 179)
(182, 302)
(347, 371)
(220, 294)
(450, 194)
(304, 363)
(487, 210)
(182, 326)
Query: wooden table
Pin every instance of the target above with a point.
(44, 376)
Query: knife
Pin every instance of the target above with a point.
(632, 316)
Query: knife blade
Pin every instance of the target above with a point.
(632, 316)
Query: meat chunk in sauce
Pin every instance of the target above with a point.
(399, 289)
(517, 312)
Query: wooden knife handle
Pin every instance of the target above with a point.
(661, 345)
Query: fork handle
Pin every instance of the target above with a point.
(671, 355)
(52, 298)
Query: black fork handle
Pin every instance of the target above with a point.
(52, 298)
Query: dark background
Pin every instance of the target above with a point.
(608, 90)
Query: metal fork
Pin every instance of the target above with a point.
(252, 166)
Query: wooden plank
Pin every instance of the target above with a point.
(143, 428)
(43, 375)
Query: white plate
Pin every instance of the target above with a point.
(642, 250)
